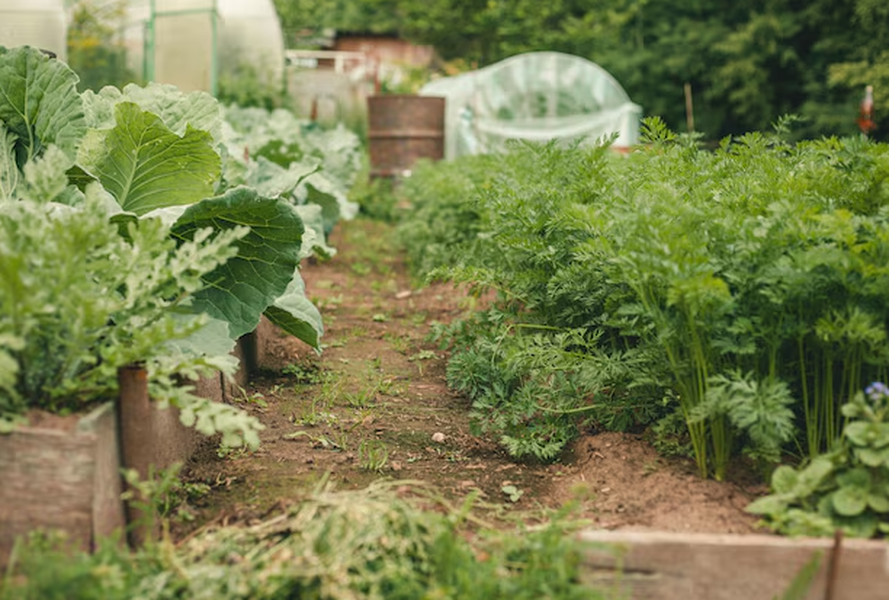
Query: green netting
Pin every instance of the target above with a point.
(535, 96)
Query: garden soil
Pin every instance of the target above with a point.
(375, 404)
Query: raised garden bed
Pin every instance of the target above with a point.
(64, 473)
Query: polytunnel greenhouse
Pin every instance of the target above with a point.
(221, 38)
(39, 23)
(534, 96)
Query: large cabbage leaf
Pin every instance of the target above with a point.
(341, 151)
(273, 180)
(98, 107)
(320, 189)
(39, 102)
(314, 240)
(175, 108)
(280, 137)
(9, 171)
(145, 165)
(295, 314)
(239, 291)
(211, 340)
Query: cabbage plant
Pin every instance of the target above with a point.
(157, 153)
(123, 243)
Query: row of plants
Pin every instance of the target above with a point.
(734, 298)
(138, 228)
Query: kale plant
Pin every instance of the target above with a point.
(78, 301)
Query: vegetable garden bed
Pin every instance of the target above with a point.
(642, 503)
(670, 292)
(143, 233)
(64, 473)
(64, 477)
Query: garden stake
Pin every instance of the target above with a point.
(834, 564)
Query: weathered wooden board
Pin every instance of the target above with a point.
(107, 508)
(674, 566)
(65, 479)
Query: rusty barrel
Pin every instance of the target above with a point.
(402, 129)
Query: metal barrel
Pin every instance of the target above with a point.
(402, 129)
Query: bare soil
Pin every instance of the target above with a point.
(375, 404)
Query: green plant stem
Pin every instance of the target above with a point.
(853, 382)
(828, 401)
(807, 401)
(697, 431)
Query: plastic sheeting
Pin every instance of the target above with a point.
(247, 34)
(39, 23)
(250, 36)
(538, 96)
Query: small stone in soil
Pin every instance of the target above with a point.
(438, 437)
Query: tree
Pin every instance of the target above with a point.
(748, 63)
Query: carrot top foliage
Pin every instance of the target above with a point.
(744, 288)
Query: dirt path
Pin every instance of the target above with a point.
(375, 404)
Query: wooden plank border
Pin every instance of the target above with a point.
(679, 566)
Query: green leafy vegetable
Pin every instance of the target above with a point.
(295, 314)
(9, 172)
(146, 166)
(243, 288)
(39, 103)
(846, 488)
(84, 301)
(744, 287)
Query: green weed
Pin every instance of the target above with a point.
(842, 489)
(255, 399)
(304, 374)
(373, 455)
(314, 415)
(361, 269)
(399, 342)
(512, 493)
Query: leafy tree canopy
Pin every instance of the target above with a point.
(747, 63)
